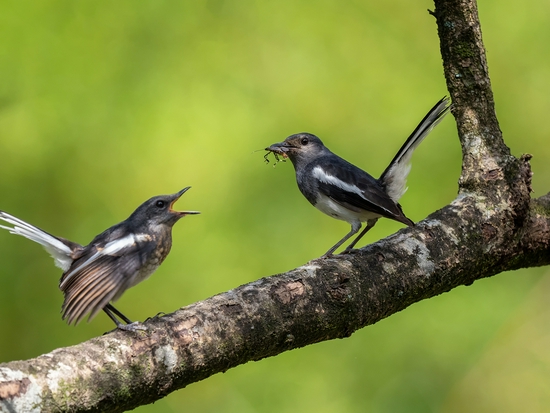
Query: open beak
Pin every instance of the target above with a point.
(178, 196)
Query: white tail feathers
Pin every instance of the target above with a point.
(394, 177)
(60, 252)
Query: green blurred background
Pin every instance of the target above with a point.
(105, 104)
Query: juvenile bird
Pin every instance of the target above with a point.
(115, 260)
(343, 191)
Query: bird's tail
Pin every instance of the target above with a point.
(394, 178)
(61, 250)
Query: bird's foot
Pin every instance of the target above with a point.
(340, 255)
(332, 255)
(133, 327)
(158, 315)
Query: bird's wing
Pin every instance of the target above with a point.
(101, 274)
(60, 249)
(355, 189)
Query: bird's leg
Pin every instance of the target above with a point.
(118, 313)
(112, 316)
(370, 224)
(355, 226)
(129, 326)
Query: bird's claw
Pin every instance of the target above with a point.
(158, 315)
(133, 327)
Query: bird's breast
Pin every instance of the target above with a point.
(153, 260)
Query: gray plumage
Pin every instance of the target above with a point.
(117, 259)
(342, 190)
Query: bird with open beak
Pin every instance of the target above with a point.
(119, 258)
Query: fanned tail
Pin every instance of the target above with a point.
(61, 250)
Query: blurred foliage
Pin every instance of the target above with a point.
(105, 104)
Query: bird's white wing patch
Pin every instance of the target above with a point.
(111, 248)
(329, 207)
(60, 252)
(330, 179)
(118, 245)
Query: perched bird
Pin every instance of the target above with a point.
(343, 191)
(115, 260)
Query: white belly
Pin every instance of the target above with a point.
(335, 210)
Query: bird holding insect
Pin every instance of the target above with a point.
(346, 192)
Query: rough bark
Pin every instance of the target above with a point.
(492, 226)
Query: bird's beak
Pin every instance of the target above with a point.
(174, 200)
(280, 148)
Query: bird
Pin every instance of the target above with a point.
(119, 258)
(345, 192)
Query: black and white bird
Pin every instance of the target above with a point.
(343, 191)
(117, 259)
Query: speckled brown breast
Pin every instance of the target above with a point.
(155, 258)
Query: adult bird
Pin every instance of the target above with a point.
(345, 192)
(117, 259)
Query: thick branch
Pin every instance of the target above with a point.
(467, 76)
(489, 172)
(322, 300)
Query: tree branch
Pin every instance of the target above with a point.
(467, 76)
(492, 226)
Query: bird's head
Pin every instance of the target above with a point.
(158, 210)
(299, 147)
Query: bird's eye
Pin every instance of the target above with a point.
(304, 141)
(160, 204)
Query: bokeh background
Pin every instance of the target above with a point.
(104, 104)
